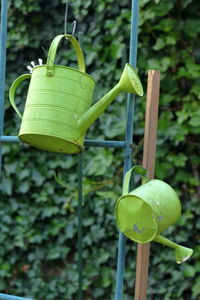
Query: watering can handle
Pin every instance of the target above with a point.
(53, 49)
(138, 170)
(13, 89)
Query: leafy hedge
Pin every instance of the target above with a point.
(38, 254)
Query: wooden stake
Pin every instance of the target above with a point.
(149, 154)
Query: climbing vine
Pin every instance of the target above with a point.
(38, 208)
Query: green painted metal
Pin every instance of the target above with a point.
(129, 82)
(148, 210)
(80, 228)
(87, 143)
(181, 253)
(11, 297)
(58, 107)
(128, 144)
(3, 39)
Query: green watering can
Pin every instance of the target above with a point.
(149, 209)
(58, 108)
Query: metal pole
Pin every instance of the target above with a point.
(87, 143)
(10, 297)
(128, 144)
(3, 39)
(80, 229)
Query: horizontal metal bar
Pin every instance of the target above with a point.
(88, 143)
(10, 297)
(111, 144)
(9, 139)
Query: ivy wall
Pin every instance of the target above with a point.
(38, 208)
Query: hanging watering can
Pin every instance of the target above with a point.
(57, 112)
(149, 209)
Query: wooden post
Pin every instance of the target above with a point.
(149, 154)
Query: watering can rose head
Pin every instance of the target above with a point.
(148, 210)
(58, 107)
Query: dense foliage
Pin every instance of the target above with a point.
(38, 208)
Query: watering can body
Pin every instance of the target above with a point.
(148, 210)
(58, 107)
(53, 107)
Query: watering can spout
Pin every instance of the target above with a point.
(129, 82)
(182, 253)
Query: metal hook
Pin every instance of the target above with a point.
(66, 15)
(74, 27)
(65, 22)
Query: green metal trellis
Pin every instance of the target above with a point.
(125, 145)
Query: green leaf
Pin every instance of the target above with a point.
(24, 187)
(189, 271)
(196, 289)
(7, 185)
(195, 121)
(159, 44)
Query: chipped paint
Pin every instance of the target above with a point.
(136, 229)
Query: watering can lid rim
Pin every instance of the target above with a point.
(64, 67)
(126, 234)
(130, 196)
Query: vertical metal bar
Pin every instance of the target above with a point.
(128, 144)
(80, 214)
(80, 228)
(3, 39)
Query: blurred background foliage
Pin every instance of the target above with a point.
(38, 253)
